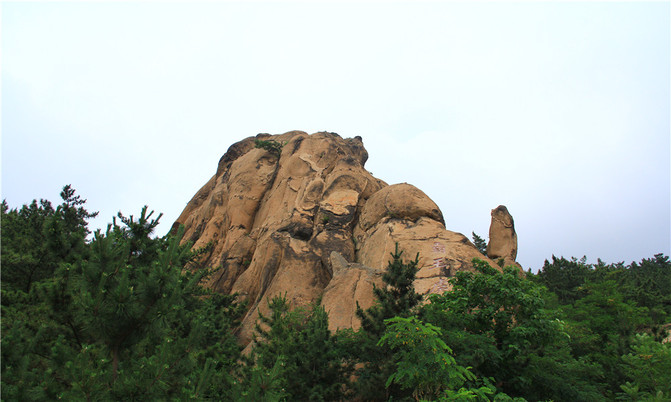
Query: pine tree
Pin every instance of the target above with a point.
(312, 367)
(565, 277)
(479, 243)
(67, 229)
(396, 299)
(648, 366)
(128, 322)
(37, 238)
(648, 283)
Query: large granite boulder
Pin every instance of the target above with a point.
(310, 222)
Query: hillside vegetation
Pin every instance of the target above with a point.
(121, 315)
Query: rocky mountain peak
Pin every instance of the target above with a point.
(298, 214)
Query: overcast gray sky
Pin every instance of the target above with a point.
(560, 111)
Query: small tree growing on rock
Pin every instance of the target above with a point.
(271, 146)
(479, 243)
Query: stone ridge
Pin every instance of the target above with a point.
(313, 223)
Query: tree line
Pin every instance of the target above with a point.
(121, 315)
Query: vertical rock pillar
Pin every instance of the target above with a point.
(502, 237)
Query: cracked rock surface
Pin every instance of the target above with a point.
(313, 222)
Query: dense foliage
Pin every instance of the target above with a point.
(121, 315)
(497, 324)
(116, 317)
(311, 362)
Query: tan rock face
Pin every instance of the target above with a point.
(351, 283)
(403, 214)
(502, 237)
(314, 223)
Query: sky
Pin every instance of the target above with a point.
(558, 110)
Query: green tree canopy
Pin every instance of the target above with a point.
(37, 238)
(128, 322)
(496, 323)
(312, 365)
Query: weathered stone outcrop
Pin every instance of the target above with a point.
(311, 222)
(351, 283)
(502, 237)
